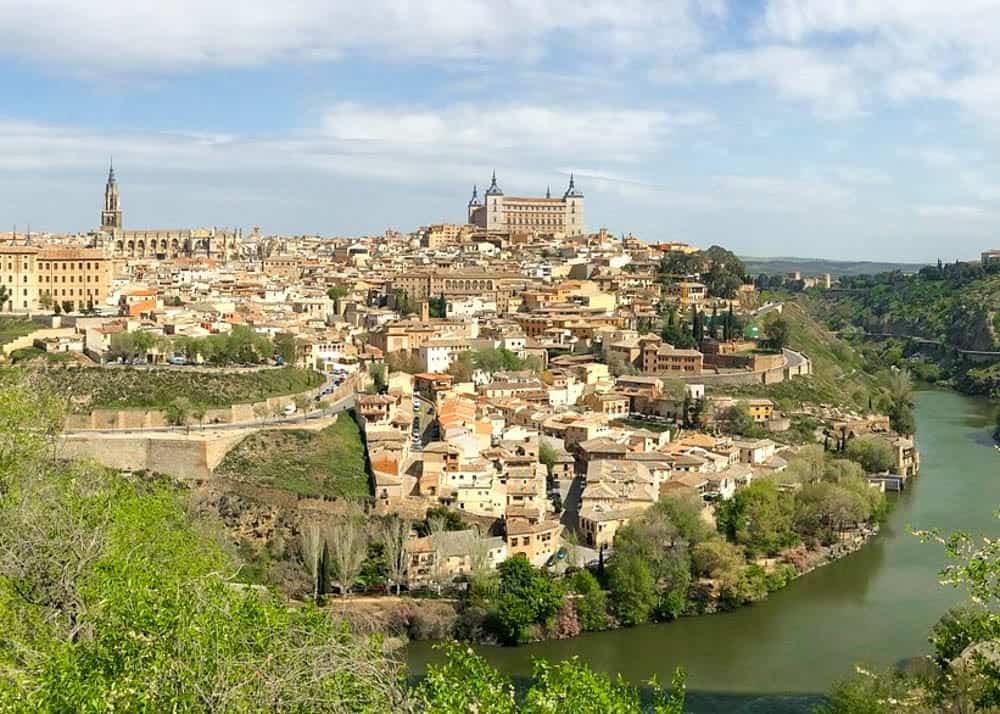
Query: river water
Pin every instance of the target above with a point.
(874, 607)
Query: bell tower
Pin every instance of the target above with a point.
(111, 216)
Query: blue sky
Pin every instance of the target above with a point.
(855, 129)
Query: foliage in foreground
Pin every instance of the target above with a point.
(466, 683)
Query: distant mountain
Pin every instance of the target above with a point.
(815, 266)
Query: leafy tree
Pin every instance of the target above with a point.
(758, 517)
(527, 597)
(438, 306)
(777, 330)
(874, 453)
(348, 547)
(720, 560)
(45, 300)
(287, 347)
(337, 291)
(546, 454)
(447, 519)
(633, 591)
(178, 411)
(658, 541)
(377, 373)
(739, 421)
(592, 603)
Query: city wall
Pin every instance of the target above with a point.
(188, 458)
(130, 419)
(800, 365)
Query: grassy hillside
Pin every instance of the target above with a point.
(839, 371)
(13, 327)
(330, 462)
(90, 388)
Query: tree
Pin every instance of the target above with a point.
(673, 388)
(719, 560)
(178, 411)
(527, 597)
(633, 592)
(740, 422)
(314, 555)
(546, 455)
(348, 546)
(67, 306)
(874, 453)
(287, 347)
(377, 372)
(337, 292)
(777, 331)
(395, 532)
(45, 300)
(758, 517)
(592, 603)
(440, 518)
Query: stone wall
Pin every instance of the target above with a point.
(128, 419)
(187, 458)
(773, 373)
(42, 334)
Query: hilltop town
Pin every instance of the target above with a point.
(518, 384)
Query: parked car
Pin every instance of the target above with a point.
(289, 409)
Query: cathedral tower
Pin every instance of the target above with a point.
(111, 216)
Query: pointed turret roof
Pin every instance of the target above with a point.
(572, 191)
(474, 201)
(111, 171)
(494, 190)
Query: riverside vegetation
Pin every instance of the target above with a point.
(114, 597)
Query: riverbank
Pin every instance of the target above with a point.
(407, 619)
(875, 607)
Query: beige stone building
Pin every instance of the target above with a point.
(497, 212)
(159, 243)
(77, 278)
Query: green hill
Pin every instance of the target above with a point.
(328, 463)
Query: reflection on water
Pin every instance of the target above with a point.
(875, 606)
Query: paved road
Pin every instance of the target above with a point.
(300, 418)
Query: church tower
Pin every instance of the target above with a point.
(111, 216)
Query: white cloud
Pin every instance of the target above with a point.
(829, 84)
(490, 132)
(128, 36)
(929, 49)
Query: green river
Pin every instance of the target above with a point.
(874, 607)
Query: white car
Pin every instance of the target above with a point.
(289, 409)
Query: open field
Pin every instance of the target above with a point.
(327, 463)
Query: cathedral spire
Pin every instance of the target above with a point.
(548, 192)
(111, 169)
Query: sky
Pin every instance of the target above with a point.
(847, 129)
